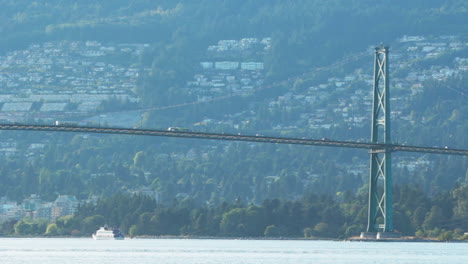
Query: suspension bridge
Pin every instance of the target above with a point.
(380, 209)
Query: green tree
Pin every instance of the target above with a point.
(434, 218)
(92, 223)
(139, 161)
(308, 232)
(66, 224)
(420, 234)
(232, 222)
(22, 228)
(460, 195)
(353, 230)
(272, 231)
(133, 231)
(446, 236)
(52, 230)
(321, 229)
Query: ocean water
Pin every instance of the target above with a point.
(208, 251)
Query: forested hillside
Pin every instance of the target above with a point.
(307, 32)
(223, 188)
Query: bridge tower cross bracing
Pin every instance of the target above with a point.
(380, 211)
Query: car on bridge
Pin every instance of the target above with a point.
(61, 123)
(178, 129)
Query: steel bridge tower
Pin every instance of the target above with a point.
(380, 211)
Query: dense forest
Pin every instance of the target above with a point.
(312, 216)
(238, 189)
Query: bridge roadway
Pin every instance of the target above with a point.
(235, 137)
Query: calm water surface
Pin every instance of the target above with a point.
(191, 251)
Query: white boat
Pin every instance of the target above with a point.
(105, 233)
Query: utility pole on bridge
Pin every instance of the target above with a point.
(380, 211)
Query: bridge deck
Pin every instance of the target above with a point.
(235, 137)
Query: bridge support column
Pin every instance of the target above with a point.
(380, 211)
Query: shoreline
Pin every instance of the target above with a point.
(352, 239)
